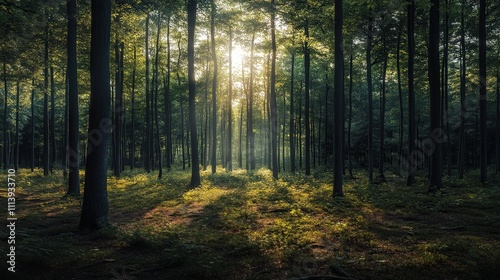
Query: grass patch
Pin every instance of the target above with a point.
(245, 225)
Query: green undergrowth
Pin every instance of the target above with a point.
(245, 225)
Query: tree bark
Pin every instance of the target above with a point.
(95, 201)
(214, 90)
(147, 148)
(338, 102)
(307, 66)
(274, 115)
(370, 98)
(46, 129)
(412, 156)
(292, 116)
(195, 167)
(155, 102)
(436, 132)
(132, 134)
(229, 152)
(482, 91)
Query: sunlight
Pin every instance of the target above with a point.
(238, 56)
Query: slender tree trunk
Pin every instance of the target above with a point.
(292, 116)
(482, 91)
(214, 90)
(412, 155)
(445, 88)
(52, 121)
(250, 134)
(370, 98)
(46, 129)
(118, 109)
(240, 140)
(95, 201)
(307, 65)
(461, 149)
(274, 113)
(229, 152)
(147, 148)
(300, 136)
(338, 102)
(182, 136)
(132, 134)
(497, 134)
(401, 113)
(155, 102)
(32, 165)
(435, 99)
(382, 112)
(195, 171)
(65, 146)
(168, 105)
(349, 125)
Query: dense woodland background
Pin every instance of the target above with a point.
(235, 89)
(270, 105)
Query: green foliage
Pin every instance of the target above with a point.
(246, 225)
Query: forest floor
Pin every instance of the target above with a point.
(244, 225)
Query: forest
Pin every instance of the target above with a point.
(259, 139)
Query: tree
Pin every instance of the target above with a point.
(229, 153)
(147, 148)
(338, 101)
(307, 73)
(435, 99)
(195, 166)
(370, 95)
(482, 91)
(46, 129)
(73, 149)
(411, 94)
(214, 89)
(95, 200)
(274, 113)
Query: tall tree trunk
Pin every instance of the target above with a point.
(182, 136)
(444, 73)
(240, 139)
(435, 99)
(412, 155)
(132, 134)
(52, 121)
(147, 148)
(307, 66)
(229, 152)
(338, 102)
(382, 112)
(32, 165)
(214, 90)
(349, 124)
(46, 129)
(168, 105)
(95, 201)
(155, 108)
(482, 91)
(497, 134)
(461, 149)
(65, 146)
(195, 170)
(292, 116)
(274, 113)
(370, 97)
(250, 134)
(118, 109)
(401, 112)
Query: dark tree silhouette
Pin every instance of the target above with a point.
(95, 200)
(338, 101)
(435, 99)
(195, 166)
